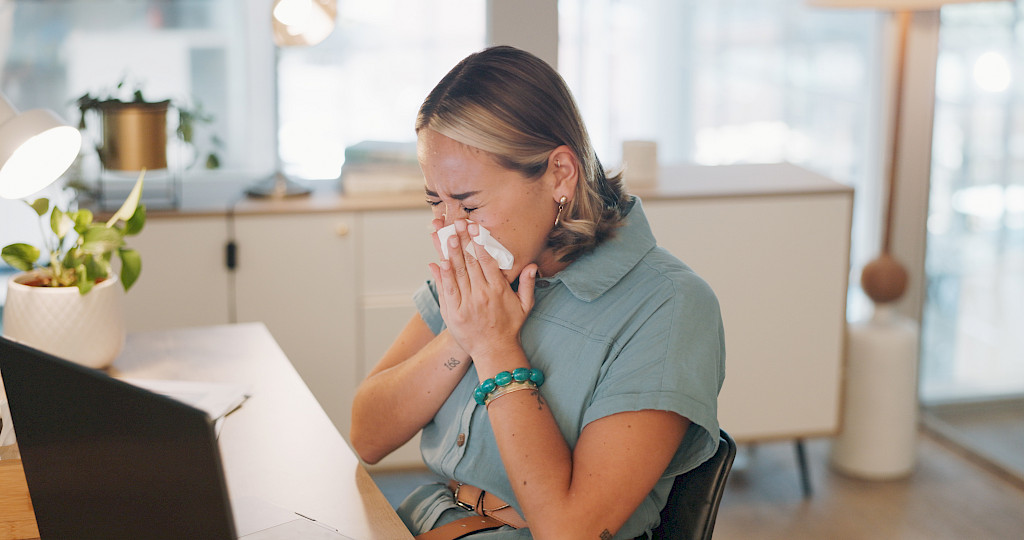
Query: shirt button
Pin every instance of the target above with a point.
(543, 284)
(460, 440)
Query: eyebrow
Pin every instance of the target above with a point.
(456, 196)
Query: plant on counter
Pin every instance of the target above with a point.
(84, 258)
(188, 116)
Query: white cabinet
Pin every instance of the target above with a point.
(773, 241)
(184, 281)
(297, 274)
(333, 281)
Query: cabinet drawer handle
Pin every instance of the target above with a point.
(341, 229)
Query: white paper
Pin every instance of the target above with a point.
(216, 399)
(503, 256)
(6, 425)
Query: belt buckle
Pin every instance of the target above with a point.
(460, 504)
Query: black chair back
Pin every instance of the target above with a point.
(692, 505)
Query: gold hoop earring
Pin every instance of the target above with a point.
(561, 206)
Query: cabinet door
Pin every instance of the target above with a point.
(296, 275)
(779, 266)
(184, 280)
(396, 248)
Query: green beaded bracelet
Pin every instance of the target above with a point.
(505, 378)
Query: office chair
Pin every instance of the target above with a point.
(692, 505)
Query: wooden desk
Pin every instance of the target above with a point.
(279, 446)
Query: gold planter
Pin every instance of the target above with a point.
(134, 135)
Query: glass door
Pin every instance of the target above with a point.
(972, 349)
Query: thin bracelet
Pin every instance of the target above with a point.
(505, 390)
(505, 378)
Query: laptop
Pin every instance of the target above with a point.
(106, 459)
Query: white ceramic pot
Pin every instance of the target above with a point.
(89, 329)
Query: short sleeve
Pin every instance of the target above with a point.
(673, 361)
(429, 309)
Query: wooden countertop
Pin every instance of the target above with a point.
(687, 181)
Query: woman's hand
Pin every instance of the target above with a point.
(481, 310)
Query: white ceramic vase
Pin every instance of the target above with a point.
(88, 329)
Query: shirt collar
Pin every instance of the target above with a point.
(593, 274)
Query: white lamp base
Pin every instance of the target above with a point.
(278, 186)
(880, 413)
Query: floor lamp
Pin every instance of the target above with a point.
(885, 279)
(296, 23)
(878, 437)
(36, 147)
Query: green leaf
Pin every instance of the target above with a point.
(95, 269)
(20, 256)
(98, 239)
(84, 284)
(82, 219)
(135, 223)
(61, 223)
(131, 267)
(185, 128)
(40, 206)
(127, 209)
(74, 257)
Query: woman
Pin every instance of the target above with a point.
(617, 345)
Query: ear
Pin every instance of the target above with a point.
(565, 171)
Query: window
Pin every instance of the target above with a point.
(191, 51)
(731, 81)
(971, 341)
(367, 80)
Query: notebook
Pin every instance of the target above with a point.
(106, 459)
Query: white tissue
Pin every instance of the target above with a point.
(494, 248)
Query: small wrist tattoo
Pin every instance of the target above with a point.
(451, 363)
(540, 401)
(605, 535)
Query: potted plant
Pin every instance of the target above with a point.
(134, 130)
(71, 306)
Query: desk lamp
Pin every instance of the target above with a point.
(297, 23)
(36, 147)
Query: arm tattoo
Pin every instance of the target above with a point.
(451, 363)
(605, 535)
(540, 402)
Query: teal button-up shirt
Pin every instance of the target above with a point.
(626, 327)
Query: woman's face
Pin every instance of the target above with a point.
(463, 182)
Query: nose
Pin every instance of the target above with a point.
(450, 214)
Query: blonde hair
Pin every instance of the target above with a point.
(514, 106)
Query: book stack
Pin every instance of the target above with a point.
(381, 167)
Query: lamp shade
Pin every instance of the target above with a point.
(889, 5)
(303, 22)
(36, 147)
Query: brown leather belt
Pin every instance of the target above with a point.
(491, 511)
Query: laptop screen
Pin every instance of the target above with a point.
(105, 459)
